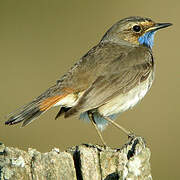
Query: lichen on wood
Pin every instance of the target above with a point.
(83, 162)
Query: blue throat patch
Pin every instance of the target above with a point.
(147, 39)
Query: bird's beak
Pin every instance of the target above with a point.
(158, 26)
(162, 25)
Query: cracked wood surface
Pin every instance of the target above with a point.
(83, 162)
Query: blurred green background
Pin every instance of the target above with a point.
(41, 39)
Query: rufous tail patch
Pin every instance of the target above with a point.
(49, 102)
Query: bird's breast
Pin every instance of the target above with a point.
(123, 102)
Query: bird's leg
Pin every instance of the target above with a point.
(98, 131)
(128, 133)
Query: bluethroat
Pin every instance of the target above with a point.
(109, 79)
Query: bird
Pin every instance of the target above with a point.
(109, 79)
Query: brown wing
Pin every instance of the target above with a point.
(119, 76)
(78, 79)
(91, 65)
(84, 73)
(97, 73)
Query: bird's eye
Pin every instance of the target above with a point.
(136, 28)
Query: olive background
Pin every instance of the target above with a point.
(41, 39)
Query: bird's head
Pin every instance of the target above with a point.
(134, 31)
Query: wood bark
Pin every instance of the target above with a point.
(83, 162)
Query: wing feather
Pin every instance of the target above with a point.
(118, 77)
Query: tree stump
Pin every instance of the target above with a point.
(83, 162)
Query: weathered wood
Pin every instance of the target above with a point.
(84, 162)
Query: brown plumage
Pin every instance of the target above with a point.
(112, 77)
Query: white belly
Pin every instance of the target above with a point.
(123, 102)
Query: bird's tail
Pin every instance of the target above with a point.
(26, 114)
(34, 109)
